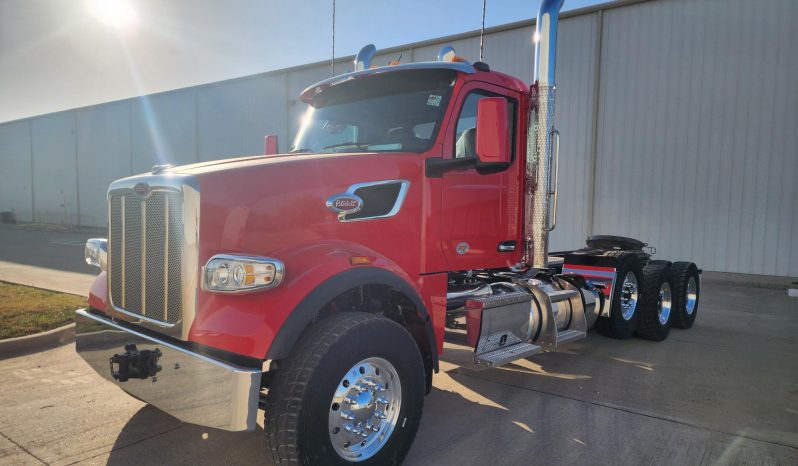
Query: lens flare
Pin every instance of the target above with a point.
(118, 14)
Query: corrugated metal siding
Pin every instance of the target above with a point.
(695, 150)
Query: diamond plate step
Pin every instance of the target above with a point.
(507, 354)
(569, 335)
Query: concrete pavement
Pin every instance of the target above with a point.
(724, 392)
(46, 258)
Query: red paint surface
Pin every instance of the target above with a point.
(99, 292)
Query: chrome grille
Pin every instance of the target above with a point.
(145, 254)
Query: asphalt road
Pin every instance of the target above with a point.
(724, 392)
(43, 246)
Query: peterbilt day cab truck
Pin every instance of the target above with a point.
(415, 206)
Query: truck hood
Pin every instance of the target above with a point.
(260, 205)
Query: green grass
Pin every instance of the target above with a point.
(25, 310)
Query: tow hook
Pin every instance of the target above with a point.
(135, 364)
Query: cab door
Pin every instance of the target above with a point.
(481, 210)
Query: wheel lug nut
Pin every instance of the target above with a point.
(382, 400)
(348, 427)
(348, 415)
(351, 400)
(381, 415)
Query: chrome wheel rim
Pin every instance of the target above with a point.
(365, 409)
(629, 296)
(665, 303)
(692, 295)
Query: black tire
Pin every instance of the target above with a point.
(655, 276)
(298, 402)
(616, 326)
(681, 273)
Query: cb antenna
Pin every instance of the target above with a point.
(332, 59)
(482, 31)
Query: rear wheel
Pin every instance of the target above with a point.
(687, 289)
(353, 391)
(656, 310)
(623, 317)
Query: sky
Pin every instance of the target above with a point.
(62, 54)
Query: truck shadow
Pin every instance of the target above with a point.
(154, 437)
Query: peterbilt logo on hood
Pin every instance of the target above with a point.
(343, 204)
(142, 189)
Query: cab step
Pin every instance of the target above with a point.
(563, 295)
(502, 356)
(569, 335)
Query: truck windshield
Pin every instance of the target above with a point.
(396, 111)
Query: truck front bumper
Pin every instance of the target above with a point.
(192, 387)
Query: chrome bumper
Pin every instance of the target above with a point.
(191, 387)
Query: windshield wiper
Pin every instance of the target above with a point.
(347, 144)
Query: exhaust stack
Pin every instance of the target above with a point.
(364, 56)
(542, 141)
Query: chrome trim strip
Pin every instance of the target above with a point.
(166, 180)
(190, 267)
(143, 317)
(190, 386)
(279, 272)
(400, 198)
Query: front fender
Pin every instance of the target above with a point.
(267, 324)
(98, 294)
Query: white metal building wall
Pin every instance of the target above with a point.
(697, 144)
(677, 120)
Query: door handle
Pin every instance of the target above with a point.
(506, 246)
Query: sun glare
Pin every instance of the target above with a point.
(117, 14)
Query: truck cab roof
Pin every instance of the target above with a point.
(463, 68)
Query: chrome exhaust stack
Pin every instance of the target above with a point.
(364, 56)
(542, 141)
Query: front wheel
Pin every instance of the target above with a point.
(353, 391)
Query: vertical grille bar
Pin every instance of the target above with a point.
(122, 201)
(143, 258)
(166, 261)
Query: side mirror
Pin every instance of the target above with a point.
(493, 131)
(271, 144)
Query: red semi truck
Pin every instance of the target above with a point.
(415, 206)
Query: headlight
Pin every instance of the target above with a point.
(236, 274)
(96, 252)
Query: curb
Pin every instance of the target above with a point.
(28, 344)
